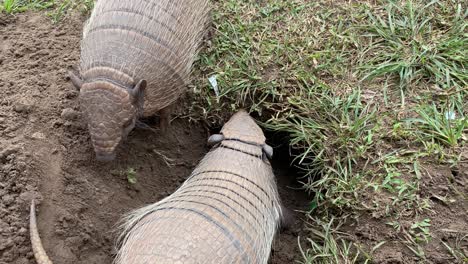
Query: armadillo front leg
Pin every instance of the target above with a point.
(165, 118)
(75, 78)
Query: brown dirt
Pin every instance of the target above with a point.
(45, 153)
(445, 190)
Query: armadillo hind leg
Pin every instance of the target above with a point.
(165, 118)
(39, 253)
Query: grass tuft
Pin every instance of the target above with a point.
(327, 245)
(457, 250)
(59, 8)
(131, 175)
(18, 6)
(446, 126)
(417, 41)
(64, 7)
(332, 137)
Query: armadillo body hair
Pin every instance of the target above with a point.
(126, 41)
(227, 211)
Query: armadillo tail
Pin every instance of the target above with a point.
(38, 249)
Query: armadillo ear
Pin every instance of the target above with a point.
(138, 91)
(268, 150)
(215, 139)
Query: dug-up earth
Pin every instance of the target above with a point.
(45, 154)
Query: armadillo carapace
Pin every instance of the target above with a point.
(227, 211)
(136, 58)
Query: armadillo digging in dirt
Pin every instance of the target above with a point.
(227, 211)
(136, 58)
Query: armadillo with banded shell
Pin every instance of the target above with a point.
(227, 211)
(136, 58)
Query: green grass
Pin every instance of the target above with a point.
(332, 134)
(446, 126)
(286, 76)
(327, 245)
(58, 8)
(64, 7)
(417, 41)
(420, 230)
(17, 6)
(9, 6)
(335, 77)
(131, 175)
(456, 251)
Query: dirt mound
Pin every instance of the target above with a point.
(45, 153)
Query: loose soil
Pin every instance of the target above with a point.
(45, 154)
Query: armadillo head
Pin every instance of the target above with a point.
(111, 113)
(243, 127)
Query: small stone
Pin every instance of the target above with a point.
(69, 114)
(38, 135)
(60, 33)
(22, 108)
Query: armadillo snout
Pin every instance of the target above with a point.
(110, 113)
(105, 149)
(105, 157)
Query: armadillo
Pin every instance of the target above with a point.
(136, 59)
(227, 211)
